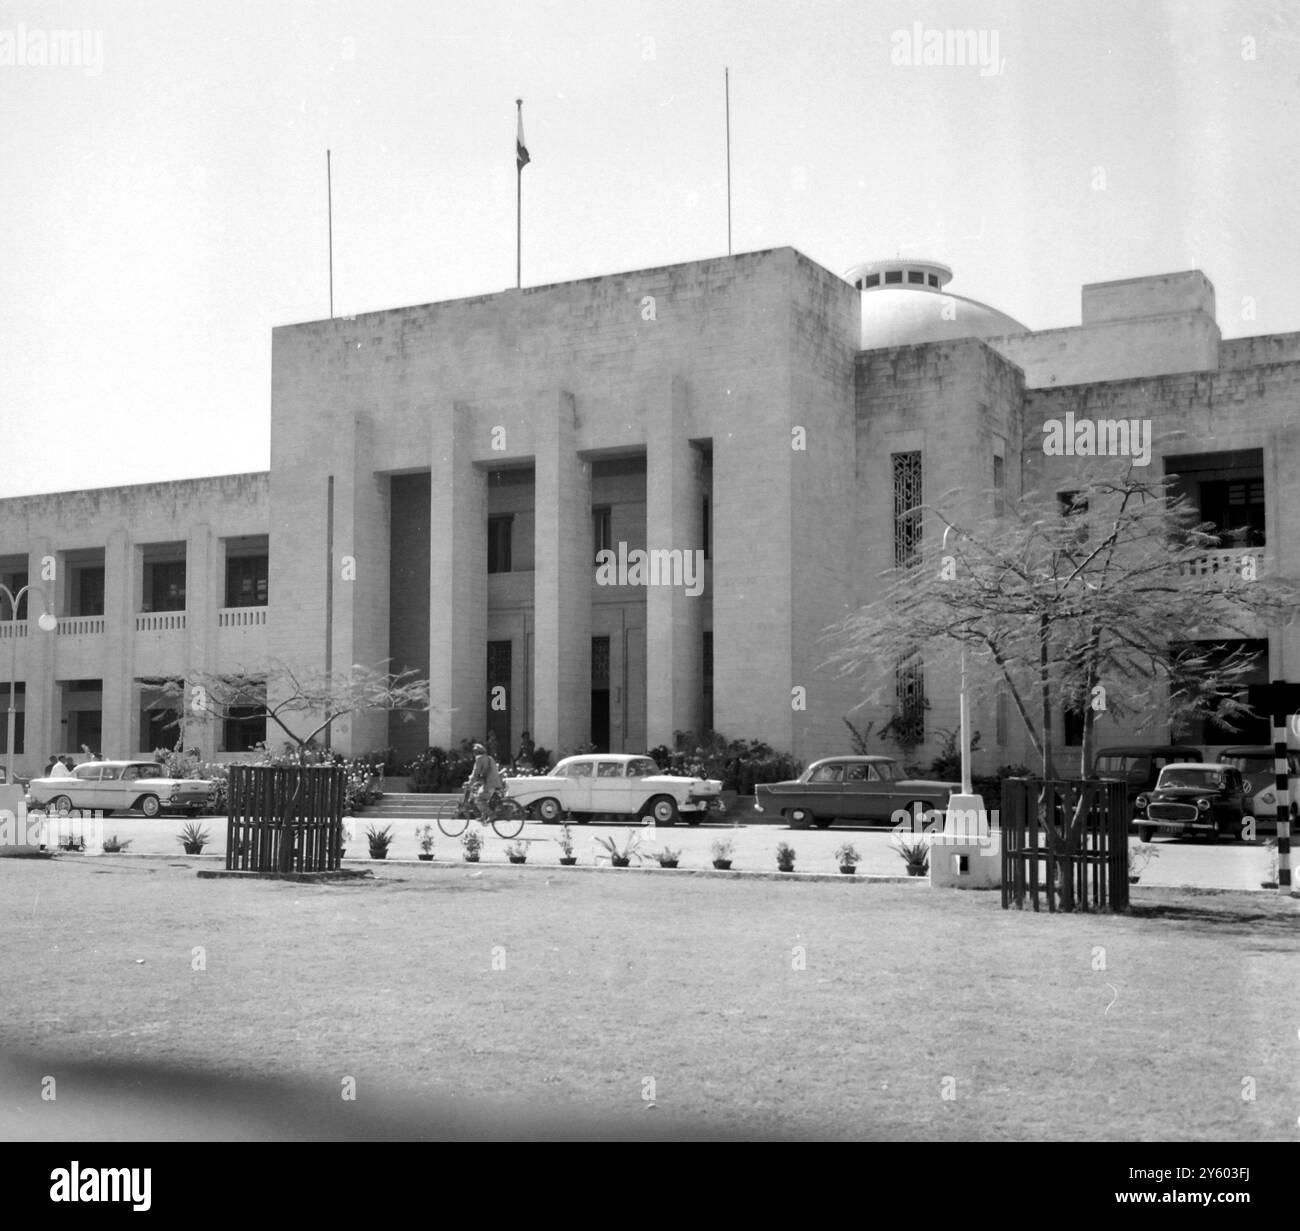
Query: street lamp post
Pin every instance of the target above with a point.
(962, 708)
(48, 623)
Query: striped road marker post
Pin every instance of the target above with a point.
(1279, 699)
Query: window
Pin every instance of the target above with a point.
(159, 728)
(893, 275)
(999, 485)
(909, 697)
(916, 275)
(873, 279)
(1236, 508)
(245, 722)
(934, 280)
(907, 512)
(164, 586)
(13, 582)
(20, 717)
(87, 590)
(706, 529)
(1072, 723)
(600, 662)
(827, 773)
(609, 769)
(246, 581)
(602, 531)
(499, 534)
(581, 769)
(1075, 505)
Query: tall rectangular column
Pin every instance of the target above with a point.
(675, 603)
(118, 696)
(563, 563)
(457, 583)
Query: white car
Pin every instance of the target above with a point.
(615, 782)
(120, 786)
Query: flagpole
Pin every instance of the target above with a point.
(727, 84)
(519, 205)
(329, 197)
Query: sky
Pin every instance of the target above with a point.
(163, 195)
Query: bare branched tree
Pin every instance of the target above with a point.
(1116, 601)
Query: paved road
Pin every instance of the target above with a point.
(1221, 865)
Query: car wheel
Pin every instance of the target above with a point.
(663, 810)
(1144, 833)
(549, 811)
(799, 818)
(150, 806)
(61, 803)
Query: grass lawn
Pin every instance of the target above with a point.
(527, 1001)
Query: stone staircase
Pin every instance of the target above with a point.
(410, 806)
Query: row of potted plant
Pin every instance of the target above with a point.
(916, 855)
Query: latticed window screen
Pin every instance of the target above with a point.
(909, 693)
(498, 663)
(907, 511)
(600, 662)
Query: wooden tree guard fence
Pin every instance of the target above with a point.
(285, 818)
(1100, 862)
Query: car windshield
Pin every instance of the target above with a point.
(579, 769)
(642, 767)
(1207, 779)
(86, 772)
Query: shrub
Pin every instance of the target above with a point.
(737, 764)
(785, 857)
(441, 772)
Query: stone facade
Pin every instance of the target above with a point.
(442, 477)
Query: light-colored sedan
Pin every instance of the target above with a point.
(120, 786)
(614, 782)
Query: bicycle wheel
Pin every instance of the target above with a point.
(509, 819)
(453, 826)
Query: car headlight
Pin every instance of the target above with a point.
(1140, 803)
(1268, 797)
(1203, 805)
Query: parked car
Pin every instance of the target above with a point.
(1259, 780)
(120, 786)
(857, 788)
(584, 786)
(19, 780)
(1191, 799)
(1138, 766)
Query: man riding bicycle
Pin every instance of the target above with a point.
(485, 783)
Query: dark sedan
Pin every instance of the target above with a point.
(1193, 799)
(860, 788)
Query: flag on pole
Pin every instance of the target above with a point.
(521, 150)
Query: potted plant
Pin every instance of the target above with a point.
(424, 835)
(565, 841)
(71, 843)
(114, 844)
(722, 848)
(517, 852)
(846, 854)
(472, 843)
(379, 840)
(668, 857)
(784, 857)
(194, 838)
(1271, 882)
(622, 858)
(916, 855)
(1138, 858)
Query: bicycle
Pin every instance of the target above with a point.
(505, 815)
